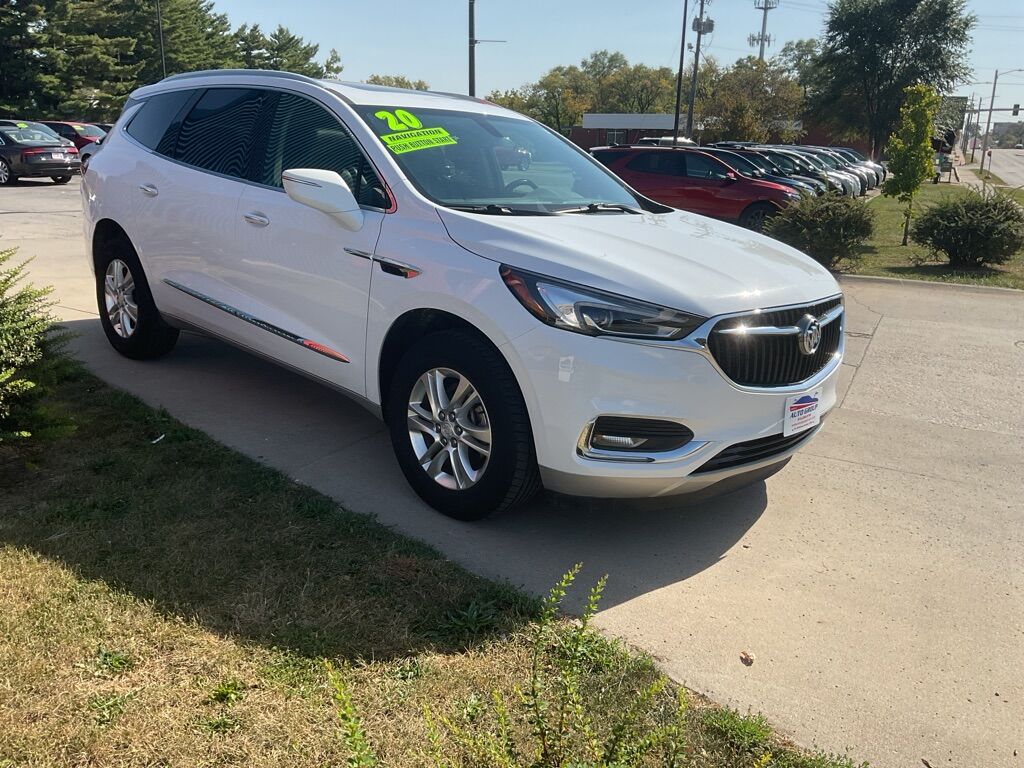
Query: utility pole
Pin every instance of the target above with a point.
(160, 33)
(988, 123)
(701, 26)
(967, 127)
(473, 40)
(472, 47)
(679, 74)
(764, 38)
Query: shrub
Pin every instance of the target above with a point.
(29, 350)
(972, 229)
(829, 229)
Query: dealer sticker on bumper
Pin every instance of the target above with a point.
(802, 412)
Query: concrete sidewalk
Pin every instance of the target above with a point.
(878, 579)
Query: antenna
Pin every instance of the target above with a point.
(764, 38)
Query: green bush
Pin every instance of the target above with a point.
(29, 350)
(973, 229)
(829, 229)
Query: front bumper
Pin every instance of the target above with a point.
(569, 380)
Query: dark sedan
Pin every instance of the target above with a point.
(29, 149)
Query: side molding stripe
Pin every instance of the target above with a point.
(314, 346)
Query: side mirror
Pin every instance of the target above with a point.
(326, 191)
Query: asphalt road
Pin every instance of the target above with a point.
(878, 579)
(1008, 164)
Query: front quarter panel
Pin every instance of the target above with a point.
(451, 279)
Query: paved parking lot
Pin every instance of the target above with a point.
(878, 579)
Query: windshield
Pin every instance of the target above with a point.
(760, 162)
(473, 160)
(90, 131)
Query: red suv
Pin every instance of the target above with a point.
(695, 181)
(80, 133)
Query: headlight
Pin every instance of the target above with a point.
(595, 313)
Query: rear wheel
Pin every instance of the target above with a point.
(60, 179)
(756, 214)
(6, 176)
(129, 316)
(459, 427)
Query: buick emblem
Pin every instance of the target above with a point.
(810, 334)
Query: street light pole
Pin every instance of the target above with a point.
(679, 74)
(988, 121)
(160, 33)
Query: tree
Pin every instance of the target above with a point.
(399, 81)
(288, 52)
(640, 89)
(799, 58)
(750, 101)
(600, 69)
(874, 49)
(560, 98)
(910, 149)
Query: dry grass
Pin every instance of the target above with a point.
(170, 604)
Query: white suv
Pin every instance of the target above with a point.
(512, 327)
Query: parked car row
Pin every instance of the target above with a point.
(51, 148)
(739, 182)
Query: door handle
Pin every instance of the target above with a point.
(149, 190)
(256, 219)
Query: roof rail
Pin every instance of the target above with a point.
(261, 72)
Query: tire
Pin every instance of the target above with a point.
(147, 335)
(756, 214)
(509, 475)
(60, 179)
(6, 174)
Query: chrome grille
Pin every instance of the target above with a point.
(755, 360)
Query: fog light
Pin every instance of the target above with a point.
(617, 442)
(637, 435)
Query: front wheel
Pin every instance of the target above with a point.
(60, 179)
(129, 316)
(755, 215)
(459, 427)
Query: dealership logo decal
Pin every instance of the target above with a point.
(801, 404)
(810, 334)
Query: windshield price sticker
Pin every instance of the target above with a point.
(409, 134)
(412, 141)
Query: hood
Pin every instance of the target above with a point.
(678, 259)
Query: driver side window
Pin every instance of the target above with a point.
(298, 133)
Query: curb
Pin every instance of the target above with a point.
(844, 278)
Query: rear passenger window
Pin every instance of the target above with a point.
(607, 158)
(301, 134)
(151, 121)
(217, 135)
(664, 163)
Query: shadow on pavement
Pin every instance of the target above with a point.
(320, 438)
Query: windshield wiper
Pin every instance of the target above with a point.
(499, 210)
(600, 208)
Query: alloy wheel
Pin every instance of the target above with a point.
(5, 173)
(119, 298)
(449, 428)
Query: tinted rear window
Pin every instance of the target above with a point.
(151, 121)
(664, 163)
(218, 132)
(607, 158)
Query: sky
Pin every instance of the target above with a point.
(427, 39)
